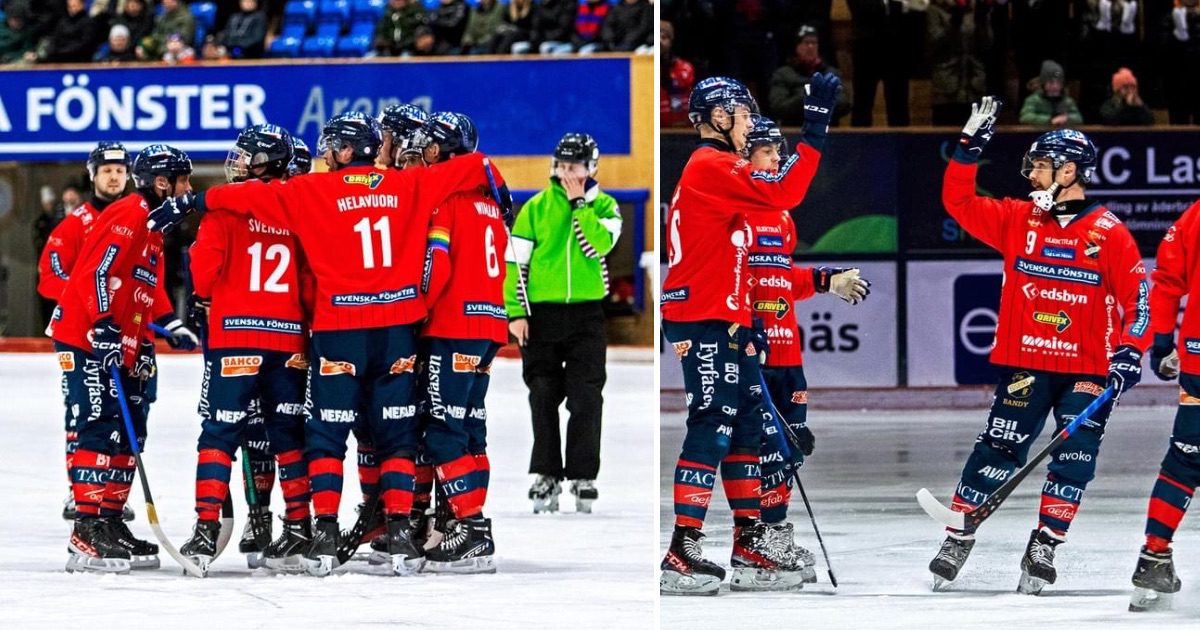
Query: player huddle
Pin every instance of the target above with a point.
(1076, 314)
(362, 299)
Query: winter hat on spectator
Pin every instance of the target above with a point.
(118, 30)
(806, 30)
(1122, 78)
(1051, 70)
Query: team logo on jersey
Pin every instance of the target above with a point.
(66, 361)
(1085, 387)
(800, 397)
(1065, 253)
(486, 309)
(1057, 272)
(298, 361)
(1059, 320)
(240, 365)
(770, 241)
(403, 365)
(333, 368)
(681, 348)
(465, 362)
(780, 307)
(1092, 250)
(370, 180)
(1021, 386)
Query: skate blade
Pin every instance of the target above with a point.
(203, 562)
(79, 563)
(481, 564)
(584, 506)
(1030, 585)
(322, 566)
(939, 584)
(756, 579)
(376, 558)
(403, 565)
(254, 560)
(543, 506)
(1147, 600)
(808, 575)
(286, 564)
(144, 562)
(675, 583)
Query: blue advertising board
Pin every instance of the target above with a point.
(520, 107)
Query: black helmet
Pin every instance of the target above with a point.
(577, 147)
(1061, 146)
(716, 92)
(107, 153)
(452, 133)
(765, 132)
(301, 158)
(401, 121)
(356, 130)
(259, 145)
(159, 159)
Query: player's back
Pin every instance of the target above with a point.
(472, 304)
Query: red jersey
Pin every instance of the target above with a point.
(776, 285)
(1174, 277)
(250, 270)
(118, 274)
(1071, 294)
(62, 249)
(465, 292)
(363, 232)
(708, 236)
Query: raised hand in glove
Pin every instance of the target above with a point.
(173, 211)
(820, 99)
(842, 282)
(180, 337)
(1164, 359)
(1124, 369)
(106, 343)
(979, 129)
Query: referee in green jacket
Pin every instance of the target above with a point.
(556, 280)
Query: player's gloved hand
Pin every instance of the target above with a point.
(197, 312)
(145, 365)
(760, 343)
(106, 343)
(1164, 359)
(979, 129)
(173, 211)
(180, 337)
(805, 441)
(842, 282)
(820, 99)
(506, 205)
(1124, 369)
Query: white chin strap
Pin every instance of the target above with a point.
(1044, 199)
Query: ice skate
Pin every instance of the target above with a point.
(405, 558)
(1037, 565)
(91, 549)
(142, 554)
(258, 519)
(760, 563)
(1154, 581)
(544, 494)
(799, 558)
(321, 557)
(466, 548)
(585, 494)
(201, 548)
(950, 558)
(685, 571)
(68, 512)
(286, 553)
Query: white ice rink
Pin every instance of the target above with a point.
(554, 570)
(861, 482)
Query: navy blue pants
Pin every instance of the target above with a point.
(93, 409)
(455, 382)
(1180, 472)
(238, 382)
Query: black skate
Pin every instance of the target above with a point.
(1154, 581)
(466, 548)
(321, 558)
(544, 494)
(405, 558)
(585, 494)
(950, 558)
(685, 571)
(256, 536)
(1037, 565)
(92, 549)
(201, 548)
(799, 558)
(286, 553)
(68, 513)
(759, 563)
(142, 554)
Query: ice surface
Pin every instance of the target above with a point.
(861, 481)
(588, 572)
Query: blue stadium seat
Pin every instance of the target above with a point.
(318, 46)
(284, 47)
(303, 12)
(367, 10)
(201, 31)
(329, 29)
(363, 27)
(332, 11)
(431, 4)
(206, 17)
(294, 29)
(353, 46)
